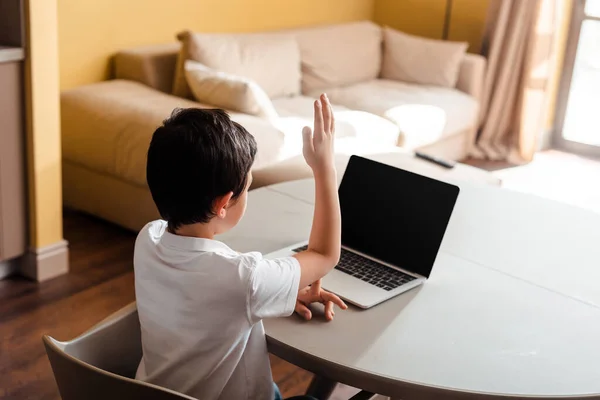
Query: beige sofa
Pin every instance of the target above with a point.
(107, 126)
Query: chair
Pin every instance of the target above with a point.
(100, 364)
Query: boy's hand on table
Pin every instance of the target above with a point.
(314, 294)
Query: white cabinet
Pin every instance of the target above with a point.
(13, 198)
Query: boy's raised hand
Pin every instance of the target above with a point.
(314, 294)
(318, 142)
(324, 243)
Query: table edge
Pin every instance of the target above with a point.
(387, 386)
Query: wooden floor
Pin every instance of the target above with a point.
(100, 282)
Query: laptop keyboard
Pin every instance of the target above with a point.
(369, 271)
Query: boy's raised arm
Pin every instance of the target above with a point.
(324, 243)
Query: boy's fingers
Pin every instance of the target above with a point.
(302, 310)
(327, 296)
(303, 291)
(318, 132)
(329, 311)
(307, 138)
(332, 126)
(315, 288)
(326, 113)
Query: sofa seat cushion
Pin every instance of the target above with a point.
(107, 127)
(295, 169)
(424, 114)
(356, 131)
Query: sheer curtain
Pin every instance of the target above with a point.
(518, 43)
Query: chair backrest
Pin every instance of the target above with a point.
(101, 363)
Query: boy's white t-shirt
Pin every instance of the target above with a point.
(200, 306)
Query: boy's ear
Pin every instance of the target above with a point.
(221, 204)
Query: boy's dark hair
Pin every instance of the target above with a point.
(196, 156)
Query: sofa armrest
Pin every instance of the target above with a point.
(107, 126)
(153, 66)
(471, 75)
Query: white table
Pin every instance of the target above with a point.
(512, 307)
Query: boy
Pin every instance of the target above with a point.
(200, 303)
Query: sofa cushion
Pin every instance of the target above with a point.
(270, 59)
(414, 59)
(356, 132)
(227, 91)
(336, 55)
(424, 114)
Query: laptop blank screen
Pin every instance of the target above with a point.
(394, 215)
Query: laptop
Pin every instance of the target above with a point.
(393, 223)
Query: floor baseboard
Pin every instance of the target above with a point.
(46, 262)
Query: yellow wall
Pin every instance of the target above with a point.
(43, 124)
(418, 17)
(90, 31)
(426, 18)
(468, 22)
